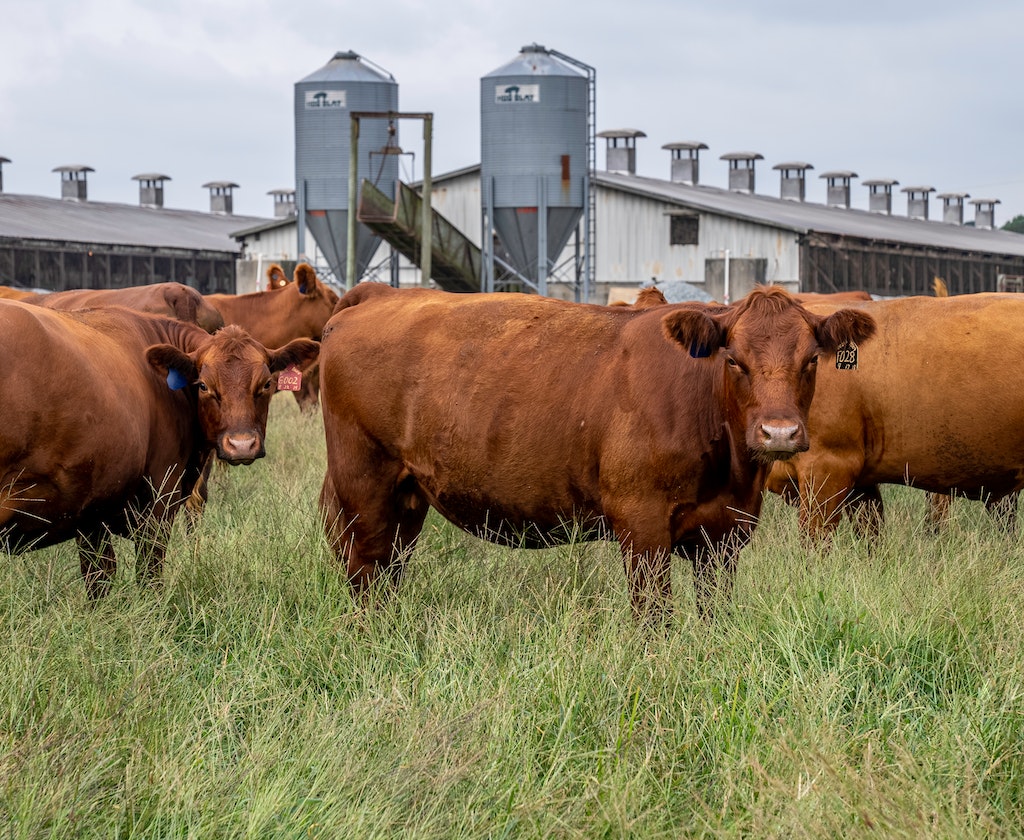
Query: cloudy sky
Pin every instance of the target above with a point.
(924, 91)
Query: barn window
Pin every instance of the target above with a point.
(684, 229)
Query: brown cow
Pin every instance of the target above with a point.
(13, 293)
(514, 415)
(832, 297)
(297, 310)
(173, 300)
(934, 403)
(646, 298)
(109, 415)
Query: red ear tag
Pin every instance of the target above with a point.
(289, 379)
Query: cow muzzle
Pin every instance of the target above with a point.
(778, 441)
(240, 447)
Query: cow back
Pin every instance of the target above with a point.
(171, 300)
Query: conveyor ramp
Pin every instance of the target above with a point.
(455, 261)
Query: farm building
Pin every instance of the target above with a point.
(558, 225)
(71, 242)
(665, 231)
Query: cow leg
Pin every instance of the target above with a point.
(938, 510)
(821, 505)
(378, 538)
(98, 562)
(1004, 512)
(714, 570)
(195, 504)
(649, 581)
(867, 511)
(151, 541)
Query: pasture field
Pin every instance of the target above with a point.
(846, 693)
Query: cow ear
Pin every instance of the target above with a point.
(301, 352)
(276, 277)
(695, 330)
(305, 279)
(175, 364)
(843, 326)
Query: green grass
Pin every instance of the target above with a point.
(849, 692)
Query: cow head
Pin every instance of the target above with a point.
(311, 303)
(190, 306)
(234, 376)
(768, 346)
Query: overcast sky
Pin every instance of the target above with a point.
(924, 91)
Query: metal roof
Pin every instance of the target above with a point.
(103, 223)
(804, 217)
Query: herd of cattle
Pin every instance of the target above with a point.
(525, 420)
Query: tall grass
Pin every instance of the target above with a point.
(852, 691)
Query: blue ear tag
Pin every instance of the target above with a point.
(699, 351)
(175, 380)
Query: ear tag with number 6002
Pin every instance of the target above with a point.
(289, 379)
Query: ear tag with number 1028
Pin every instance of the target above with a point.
(289, 379)
(846, 356)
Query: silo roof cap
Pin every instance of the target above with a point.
(535, 60)
(349, 66)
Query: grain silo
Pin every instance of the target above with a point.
(537, 152)
(324, 101)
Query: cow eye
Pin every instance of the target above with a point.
(267, 385)
(735, 365)
(202, 386)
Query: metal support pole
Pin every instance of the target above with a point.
(350, 245)
(487, 237)
(300, 221)
(542, 236)
(427, 250)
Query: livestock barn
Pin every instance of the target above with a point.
(71, 243)
(560, 226)
(664, 231)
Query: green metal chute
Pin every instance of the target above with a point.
(455, 260)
